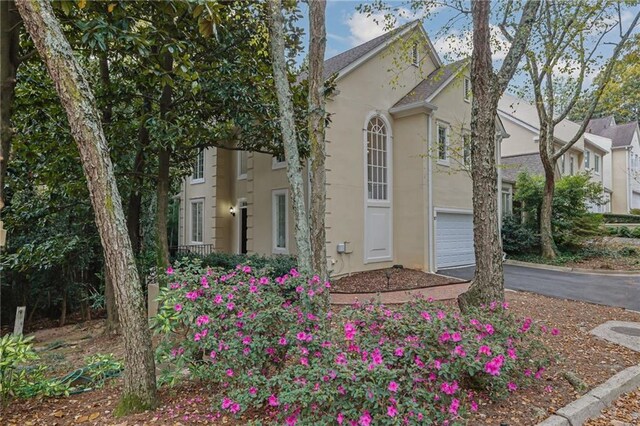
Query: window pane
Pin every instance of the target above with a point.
(282, 221)
(197, 225)
(376, 159)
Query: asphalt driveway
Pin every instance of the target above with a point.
(611, 290)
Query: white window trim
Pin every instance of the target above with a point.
(587, 159)
(204, 167)
(442, 161)
(276, 165)
(572, 165)
(241, 176)
(596, 170)
(509, 192)
(274, 221)
(466, 94)
(193, 201)
(466, 134)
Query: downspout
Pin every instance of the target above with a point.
(429, 228)
(628, 180)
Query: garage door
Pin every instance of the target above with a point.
(454, 240)
(635, 200)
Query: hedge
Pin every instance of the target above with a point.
(621, 218)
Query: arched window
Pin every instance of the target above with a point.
(377, 167)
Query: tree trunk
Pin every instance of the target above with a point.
(288, 125)
(112, 325)
(134, 209)
(317, 44)
(547, 245)
(488, 283)
(139, 390)
(487, 88)
(163, 184)
(9, 44)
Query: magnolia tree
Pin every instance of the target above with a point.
(567, 45)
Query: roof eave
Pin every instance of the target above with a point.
(412, 108)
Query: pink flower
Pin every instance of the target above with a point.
(282, 341)
(230, 306)
(512, 386)
(253, 390)
(301, 336)
(170, 270)
(474, 406)
(425, 315)
(177, 307)
(449, 388)
(459, 351)
(455, 405)
(246, 269)
(218, 299)
(441, 315)
(512, 353)
(202, 319)
(391, 411)
(444, 337)
(484, 350)
(226, 403)
(340, 418)
(493, 367)
(294, 273)
(246, 340)
(341, 359)
(291, 420)
(304, 361)
(253, 289)
(299, 289)
(555, 331)
(376, 356)
(349, 331)
(192, 295)
(230, 372)
(213, 354)
(235, 408)
(365, 419)
(273, 401)
(393, 386)
(203, 282)
(539, 373)
(489, 328)
(526, 325)
(456, 337)
(399, 352)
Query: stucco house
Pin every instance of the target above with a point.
(520, 152)
(624, 159)
(398, 187)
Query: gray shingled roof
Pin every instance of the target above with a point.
(597, 125)
(621, 135)
(344, 59)
(431, 84)
(513, 165)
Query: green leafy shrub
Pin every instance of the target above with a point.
(625, 232)
(635, 212)
(636, 232)
(518, 237)
(621, 218)
(271, 266)
(300, 364)
(17, 378)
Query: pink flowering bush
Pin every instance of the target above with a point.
(285, 355)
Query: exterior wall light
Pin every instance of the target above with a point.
(232, 210)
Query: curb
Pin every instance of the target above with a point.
(631, 273)
(590, 405)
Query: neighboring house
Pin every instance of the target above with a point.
(398, 187)
(625, 161)
(521, 151)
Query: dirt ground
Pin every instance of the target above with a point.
(625, 411)
(578, 353)
(398, 279)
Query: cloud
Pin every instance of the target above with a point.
(363, 28)
(459, 44)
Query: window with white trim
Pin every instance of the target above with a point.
(198, 169)
(197, 221)
(466, 149)
(242, 164)
(572, 166)
(377, 167)
(507, 202)
(443, 143)
(280, 224)
(415, 54)
(278, 162)
(587, 159)
(596, 163)
(563, 164)
(466, 87)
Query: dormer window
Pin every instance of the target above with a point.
(415, 55)
(467, 89)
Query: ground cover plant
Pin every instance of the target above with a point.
(285, 354)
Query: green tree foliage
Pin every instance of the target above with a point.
(573, 195)
(621, 97)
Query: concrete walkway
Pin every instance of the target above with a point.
(619, 291)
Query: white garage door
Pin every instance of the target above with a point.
(635, 200)
(454, 240)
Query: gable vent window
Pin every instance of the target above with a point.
(467, 89)
(415, 56)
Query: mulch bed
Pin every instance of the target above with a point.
(625, 411)
(587, 357)
(399, 279)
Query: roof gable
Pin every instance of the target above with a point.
(430, 86)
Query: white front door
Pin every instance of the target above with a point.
(378, 220)
(454, 240)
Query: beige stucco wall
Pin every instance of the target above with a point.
(619, 197)
(520, 140)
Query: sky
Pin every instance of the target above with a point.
(346, 28)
